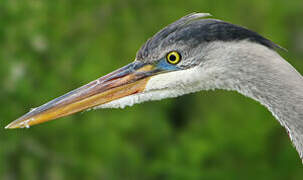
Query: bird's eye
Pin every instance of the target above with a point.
(173, 57)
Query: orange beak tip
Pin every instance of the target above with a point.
(11, 126)
(19, 124)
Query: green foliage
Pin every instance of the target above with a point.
(50, 47)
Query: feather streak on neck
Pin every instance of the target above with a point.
(262, 74)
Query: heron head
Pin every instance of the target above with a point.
(169, 64)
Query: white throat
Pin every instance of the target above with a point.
(162, 86)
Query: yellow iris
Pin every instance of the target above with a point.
(173, 57)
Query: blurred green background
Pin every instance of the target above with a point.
(50, 47)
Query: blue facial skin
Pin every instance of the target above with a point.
(164, 65)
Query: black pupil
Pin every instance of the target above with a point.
(172, 57)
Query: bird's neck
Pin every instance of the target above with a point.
(262, 74)
(281, 91)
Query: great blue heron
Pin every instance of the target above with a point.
(189, 55)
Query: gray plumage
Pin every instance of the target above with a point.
(213, 55)
(193, 31)
(231, 57)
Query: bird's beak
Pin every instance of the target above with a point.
(128, 80)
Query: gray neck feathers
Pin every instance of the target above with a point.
(262, 74)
